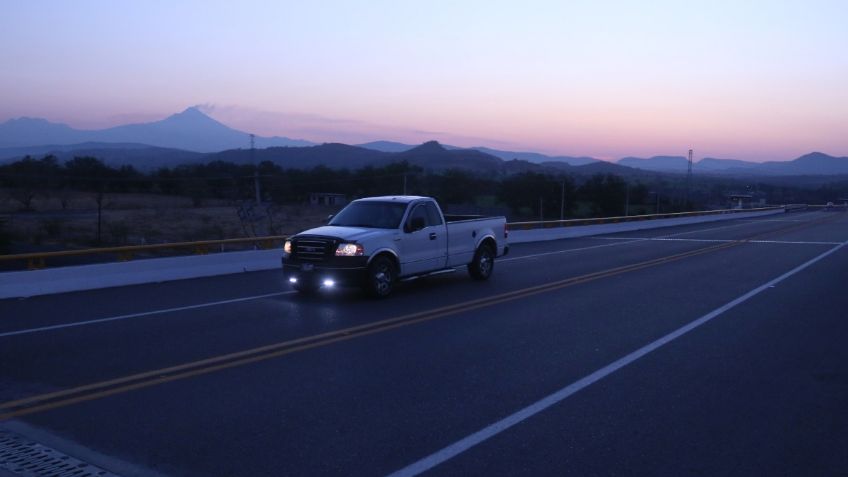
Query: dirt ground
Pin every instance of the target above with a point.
(138, 219)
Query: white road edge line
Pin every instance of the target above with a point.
(137, 315)
(496, 428)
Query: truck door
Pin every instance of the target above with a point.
(424, 244)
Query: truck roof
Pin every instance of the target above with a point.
(402, 199)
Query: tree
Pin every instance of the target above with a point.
(607, 193)
(538, 193)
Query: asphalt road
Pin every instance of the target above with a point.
(710, 349)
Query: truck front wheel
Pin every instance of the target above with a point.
(483, 264)
(381, 278)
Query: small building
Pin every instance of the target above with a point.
(740, 201)
(327, 198)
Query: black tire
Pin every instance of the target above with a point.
(483, 264)
(381, 278)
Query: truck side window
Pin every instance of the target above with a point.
(419, 212)
(433, 215)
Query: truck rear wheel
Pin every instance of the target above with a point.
(381, 278)
(483, 264)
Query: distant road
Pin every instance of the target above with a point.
(710, 349)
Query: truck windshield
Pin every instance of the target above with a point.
(378, 215)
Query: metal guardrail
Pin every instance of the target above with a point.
(629, 218)
(38, 260)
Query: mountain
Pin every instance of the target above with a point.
(815, 163)
(191, 130)
(533, 157)
(332, 155)
(386, 146)
(709, 164)
(430, 156)
(656, 163)
(140, 156)
(33, 131)
(433, 156)
(603, 167)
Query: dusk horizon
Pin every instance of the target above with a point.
(625, 79)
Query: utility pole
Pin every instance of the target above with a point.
(404, 184)
(626, 199)
(255, 171)
(541, 214)
(688, 179)
(562, 202)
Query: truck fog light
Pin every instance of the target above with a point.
(292, 280)
(329, 283)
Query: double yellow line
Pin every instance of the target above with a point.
(67, 397)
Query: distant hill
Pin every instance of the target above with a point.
(140, 156)
(332, 155)
(603, 167)
(537, 158)
(815, 163)
(533, 157)
(190, 130)
(656, 163)
(433, 156)
(710, 164)
(386, 146)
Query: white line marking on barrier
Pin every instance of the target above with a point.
(141, 314)
(502, 425)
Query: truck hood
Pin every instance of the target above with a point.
(349, 234)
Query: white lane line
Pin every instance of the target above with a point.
(496, 428)
(568, 250)
(626, 240)
(710, 229)
(663, 239)
(138, 315)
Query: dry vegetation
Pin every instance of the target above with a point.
(70, 221)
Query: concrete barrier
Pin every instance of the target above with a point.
(89, 277)
(556, 233)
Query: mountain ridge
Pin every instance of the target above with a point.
(190, 130)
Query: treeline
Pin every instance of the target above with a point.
(527, 195)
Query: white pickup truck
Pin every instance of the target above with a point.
(376, 241)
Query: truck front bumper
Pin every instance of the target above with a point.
(338, 271)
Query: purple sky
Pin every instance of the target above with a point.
(757, 80)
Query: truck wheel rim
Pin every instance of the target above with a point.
(382, 280)
(485, 263)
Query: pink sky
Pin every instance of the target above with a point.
(756, 81)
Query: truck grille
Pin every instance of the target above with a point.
(314, 250)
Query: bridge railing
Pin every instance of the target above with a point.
(39, 260)
(537, 224)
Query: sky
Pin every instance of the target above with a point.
(754, 80)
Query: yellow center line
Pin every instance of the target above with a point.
(262, 353)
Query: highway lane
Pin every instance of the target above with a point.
(378, 402)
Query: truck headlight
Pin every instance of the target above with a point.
(350, 250)
(287, 246)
